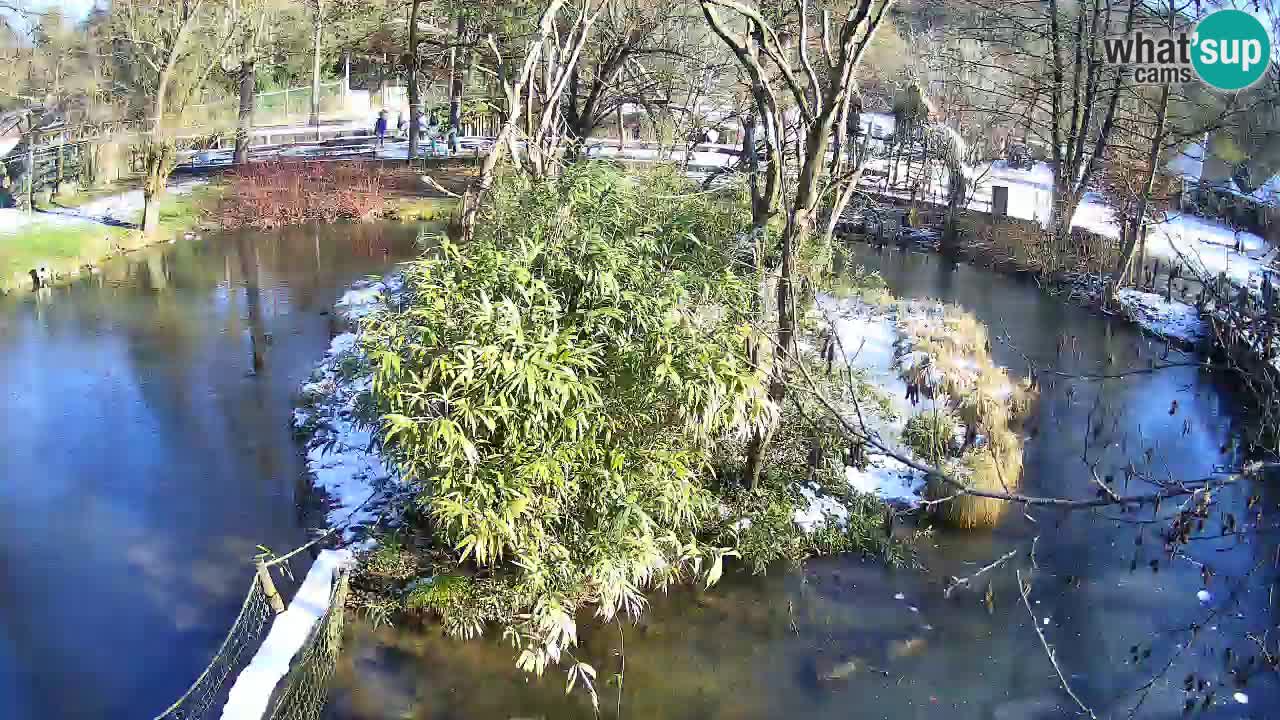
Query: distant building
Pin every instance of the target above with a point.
(1211, 188)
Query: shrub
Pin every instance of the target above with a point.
(554, 390)
(994, 467)
(948, 349)
(275, 194)
(932, 435)
(1026, 245)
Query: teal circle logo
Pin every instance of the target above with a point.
(1231, 49)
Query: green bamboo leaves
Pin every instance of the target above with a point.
(556, 386)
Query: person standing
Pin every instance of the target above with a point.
(380, 128)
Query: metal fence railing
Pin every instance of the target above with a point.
(278, 107)
(307, 685)
(202, 698)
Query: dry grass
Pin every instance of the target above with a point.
(1025, 245)
(947, 353)
(994, 467)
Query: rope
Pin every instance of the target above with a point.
(346, 523)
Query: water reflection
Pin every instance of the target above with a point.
(145, 460)
(835, 640)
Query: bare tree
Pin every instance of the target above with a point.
(317, 22)
(175, 47)
(515, 80)
(248, 47)
(415, 111)
(819, 101)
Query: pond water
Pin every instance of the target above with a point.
(145, 459)
(846, 637)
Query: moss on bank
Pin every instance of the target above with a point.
(419, 209)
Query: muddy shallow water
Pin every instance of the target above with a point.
(846, 637)
(144, 459)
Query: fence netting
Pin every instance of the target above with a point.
(202, 699)
(302, 693)
(306, 686)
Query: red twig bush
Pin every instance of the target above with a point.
(274, 194)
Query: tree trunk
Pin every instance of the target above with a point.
(156, 172)
(1137, 235)
(455, 92)
(472, 198)
(150, 213)
(31, 173)
(1062, 210)
(314, 120)
(244, 120)
(58, 168)
(622, 131)
(158, 161)
(415, 113)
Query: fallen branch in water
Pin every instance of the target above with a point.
(1053, 660)
(873, 440)
(957, 582)
(431, 183)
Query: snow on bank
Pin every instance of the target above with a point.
(1204, 246)
(252, 690)
(340, 452)
(1165, 318)
(348, 470)
(867, 336)
(122, 209)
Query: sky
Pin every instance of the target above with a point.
(71, 9)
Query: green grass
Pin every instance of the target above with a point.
(179, 213)
(86, 195)
(420, 209)
(63, 248)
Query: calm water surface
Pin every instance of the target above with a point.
(144, 460)
(762, 647)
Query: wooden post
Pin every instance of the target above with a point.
(269, 588)
(999, 200)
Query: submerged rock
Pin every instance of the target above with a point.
(844, 669)
(907, 647)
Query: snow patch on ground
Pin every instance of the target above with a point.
(1163, 317)
(867, 336)
(1206, 247)
(340, 448)
(122, 209)
(358, 485)
(252, 690)
(820, 510)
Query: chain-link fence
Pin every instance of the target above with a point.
(205, 693)
(302, 694)
(277, 107)
(307, 684)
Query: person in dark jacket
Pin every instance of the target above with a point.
(380, 128)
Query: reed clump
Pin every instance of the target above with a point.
(944, 356)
